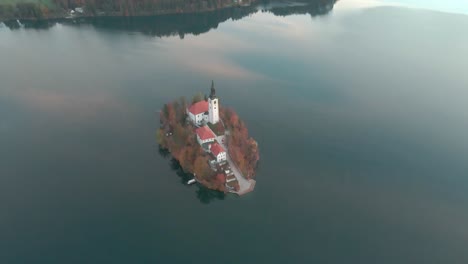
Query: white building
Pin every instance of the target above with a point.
(205, 135)
(213, 106)
(198, 112)
(205, 111)
(218, 152)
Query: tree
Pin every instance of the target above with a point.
(242, 148)
(171, 116)
(166, 111)
(180, 135)
(183, 103)
(220, 178)
(160, 137)
(176, 106)
(197, 98)
(234, 120)
(200, 165)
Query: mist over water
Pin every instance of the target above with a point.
(360, 112)
(449, 6)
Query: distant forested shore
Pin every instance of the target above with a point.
(37, 10)
(51, 9)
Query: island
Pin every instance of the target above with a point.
(211, 142)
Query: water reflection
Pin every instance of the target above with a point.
(182, 24)
(163, 152)
(206, 195)
(378, 114)
(313, 8)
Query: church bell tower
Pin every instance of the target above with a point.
(213, 104)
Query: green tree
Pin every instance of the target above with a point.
(166, 111)
(160, 137)
(197, 98)
(183, 102)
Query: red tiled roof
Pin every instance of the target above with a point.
(199, 107)
(205, 132)
(216, 149)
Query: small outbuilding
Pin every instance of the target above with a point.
(205, 135)
(218, 152)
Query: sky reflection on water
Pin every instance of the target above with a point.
(375, 169)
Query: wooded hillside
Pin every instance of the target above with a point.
(242, 148)
(42, 9)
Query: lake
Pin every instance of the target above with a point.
(360, 111)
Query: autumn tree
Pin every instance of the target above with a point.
(171, 116)
(165, 111)
(220, 178)
(197, 98)
(242, 148)
(201, 167)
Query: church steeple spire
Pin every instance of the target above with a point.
(213, 91)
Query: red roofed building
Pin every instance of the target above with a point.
(198, 112)
(218, 152)
(205, 135)
(206, 110)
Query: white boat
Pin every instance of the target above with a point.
(192, 181)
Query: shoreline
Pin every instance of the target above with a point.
(61, 16)
(209, 142)
(248, 183)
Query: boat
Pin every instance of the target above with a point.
(192, 181)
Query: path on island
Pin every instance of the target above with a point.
(245, 185)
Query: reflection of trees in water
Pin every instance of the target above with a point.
(163, 152)
(172, 25)
(311, 7)
(181, 24)
(204, 195)
(161, 25)
(184, 177)
(40, 24)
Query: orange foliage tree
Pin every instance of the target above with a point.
(242, 148)
(177, 135)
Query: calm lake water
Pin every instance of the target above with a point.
(360, 111)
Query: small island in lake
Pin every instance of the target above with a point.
(211, 142)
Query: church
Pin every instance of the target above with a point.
(201, 113)
(205, 111)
